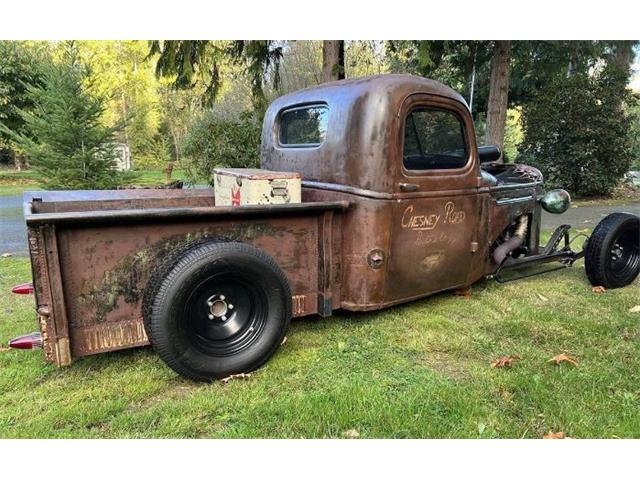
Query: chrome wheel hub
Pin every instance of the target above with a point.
(219, 308)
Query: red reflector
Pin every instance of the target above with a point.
(27, 342)
(23, 289)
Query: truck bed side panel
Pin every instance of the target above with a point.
(90, 277)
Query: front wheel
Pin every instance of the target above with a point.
(222, 309)
(612, 257)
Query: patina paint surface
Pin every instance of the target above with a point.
(105, 269)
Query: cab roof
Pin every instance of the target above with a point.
(385, 84)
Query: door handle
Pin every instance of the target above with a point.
(408, 187)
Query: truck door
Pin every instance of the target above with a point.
(434, 241)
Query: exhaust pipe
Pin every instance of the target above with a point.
(500, 253)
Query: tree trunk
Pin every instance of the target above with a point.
(21, 161)
(16, 160)
(622, 55)
(498, 93)
(332, 60)
(168, 171)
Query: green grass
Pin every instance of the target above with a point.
(156, 177)
(13, 182)
(418, 370)
(609, 202)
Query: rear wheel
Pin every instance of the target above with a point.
(612, 257)
(222, 309)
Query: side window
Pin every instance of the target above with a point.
(303, 126)
(433, 140)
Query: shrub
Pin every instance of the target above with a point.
(155, 154)
(215, 142)
(577, 131)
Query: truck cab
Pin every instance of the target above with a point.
(402, 151)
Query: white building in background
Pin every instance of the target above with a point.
(123, 156)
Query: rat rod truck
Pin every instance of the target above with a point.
(397, 203)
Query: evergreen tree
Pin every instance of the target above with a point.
(20, 65)
(202, 62)
(67, 145)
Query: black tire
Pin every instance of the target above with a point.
(160, 272)
(222, 309)
(612, 257)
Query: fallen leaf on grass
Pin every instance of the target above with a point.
(234, 377)
(563, 357)
(352, 433)
(542, 297)
(635, 309)
(6, 255)
(598, 289)
(554, 435)
(629, 334)
(504, 393)
(505, 361)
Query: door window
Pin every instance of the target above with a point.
(434, 140)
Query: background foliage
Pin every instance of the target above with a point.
(213, 142)
(166, 94)
(63, 136)
(576, 132)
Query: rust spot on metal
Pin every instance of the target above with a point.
(128, 278)
(63, 352)
(110, 336)
(432, 262)
(299, 304)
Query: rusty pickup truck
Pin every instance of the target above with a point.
(397, 202)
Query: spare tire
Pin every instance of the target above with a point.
(612, 257)
(222, 309)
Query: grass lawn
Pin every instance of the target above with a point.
(418, 370)
(13, 182)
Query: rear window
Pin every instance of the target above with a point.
(303, 126)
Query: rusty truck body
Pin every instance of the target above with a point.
(398, 203)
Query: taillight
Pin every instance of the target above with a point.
(27, 342)
(23, 289)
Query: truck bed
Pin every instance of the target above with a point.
(92, 253)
